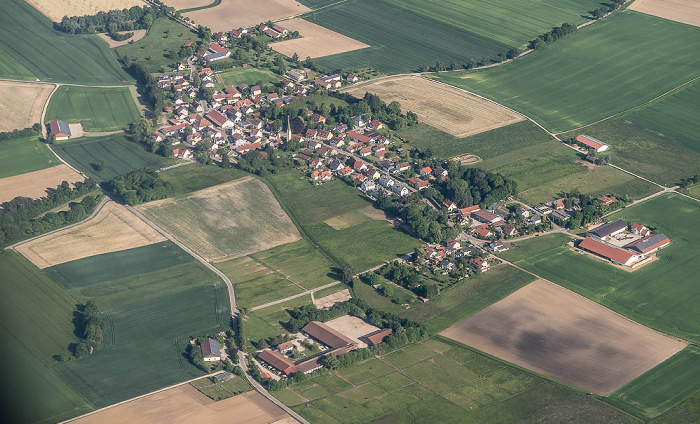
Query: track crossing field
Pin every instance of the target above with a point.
(98, 109)
(662, 295)
(620, 62)
(32, 49)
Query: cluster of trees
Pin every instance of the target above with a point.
(389, 114)
(471, 63)
(407, 276)
(139, 186)
(473, 186)
(22, 217)
(270, 341)
(590, 209)
(553, 35)
(93, 330)
(690, 181)
(26, 132)
(262, 162)
(194, 354)
(240, 332)
(428, 223)
(607, 8)
(115, 20)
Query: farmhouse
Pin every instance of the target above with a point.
(593, 143)
(640, 229)
(278, 361)
(480, 263)
(329, 336)
(210, 350)
(60, 129)
(607, 251)
(649, 244)
(487, 217)
(610, 229)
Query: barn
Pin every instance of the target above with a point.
(593, 143)
(649, 244)
(60, 129)
(612, 253)
(610, 229)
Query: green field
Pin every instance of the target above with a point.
(442, 382)
(247, 76)
(120, 156)
(30, 48)
(222, 389)
(26, 154)
(150, 318)
(405, 35)
(664, 386)
(301, 262)
(154, 49)
(195, 176)
(686, 412)
(620, 62)
(98, 109)
(662, 295)
(266, 322)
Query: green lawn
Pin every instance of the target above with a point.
(664, 386)
(222, 389)
(662, 295)
(301, 262)
(31, 49)
(266, 322)
(120, 156)
(153, 50)
(26, 154)
(98, 109)
(686, 412)
(443, 382)
(150, 318)
(247, 76)
(618, 63)
(195, 176)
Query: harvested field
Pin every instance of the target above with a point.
(34, 184)
(57, 9)
(316, 41)
(138, 34)
(453, 111)
(592, 348)
(21, 104)
(332, 299)
(225, 221)
(184, 404)
(242, 13)
(352, 327)
(187, 4)
(685, 11)
(113, 229)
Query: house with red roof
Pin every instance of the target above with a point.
(486, 216)
(480, 263)
(605, 200)
(592, 143)
(612, 253)
(639, 229)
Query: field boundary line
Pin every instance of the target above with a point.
(99, 207)
(304, 293)
(277, 271)
(65, 83)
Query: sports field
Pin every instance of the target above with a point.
(21, 155)
(21, 104)
(115, 153)
(439, 381)
(662, 295)
(316, 41)
(664, 386)
(163, 36)
(620, 62)
(114, 228)
(225, 221)
(686, 11)
(25, 35)
(240, 13)
(34, 184)
(454, 111)
(98, 109)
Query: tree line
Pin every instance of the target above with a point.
(26, 132)
(21, 217)
(112, 21)
(607, 8)
(553, 35)
(139, 186)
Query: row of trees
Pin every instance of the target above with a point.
(91, 322)
(112, 21)
(553, 35)
(26, 132)
(23, 217)
(139, 186)
(472, 63)
(607, 8)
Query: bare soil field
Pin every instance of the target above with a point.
(114, 228)
(553, 331)
(232, 14)
(684, 11)
(34, 184)
(138, 34)
(185, 405)
(187, 4)
(352, 327)
(441, 106)
(57, 9)
(332, 299)
(316, 41)
(225, 221)
(21, 104)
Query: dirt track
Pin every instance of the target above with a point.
(553, 331)
(231, 14)
(34, 184)
(685, 11)
(316, 41)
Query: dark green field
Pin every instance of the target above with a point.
(662, 295)
(31, 49)
(440, 381)
(620, 62)
(21, 155)
(248, 76)
(195, 176)
(120, 156)
(165, 35)
(98, 109)
(664, 386)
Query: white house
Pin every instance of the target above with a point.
(210, 350)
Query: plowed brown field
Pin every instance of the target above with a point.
(316, 41)
(231, 14)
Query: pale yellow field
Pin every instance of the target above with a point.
(57, 9)
(444, 107)
(231, 14)
(553, 331)
(316, 41)
(332, 299)
(21, 104)
(187, 4)
(685, 11)
(138, 34)
(114, 228)
(185, 405)
(34, 184)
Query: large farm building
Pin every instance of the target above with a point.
(611, 241)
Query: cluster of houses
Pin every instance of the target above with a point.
(330, 341)
(623, 244)
(275, 31)
(443, 256)
(558, 212)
